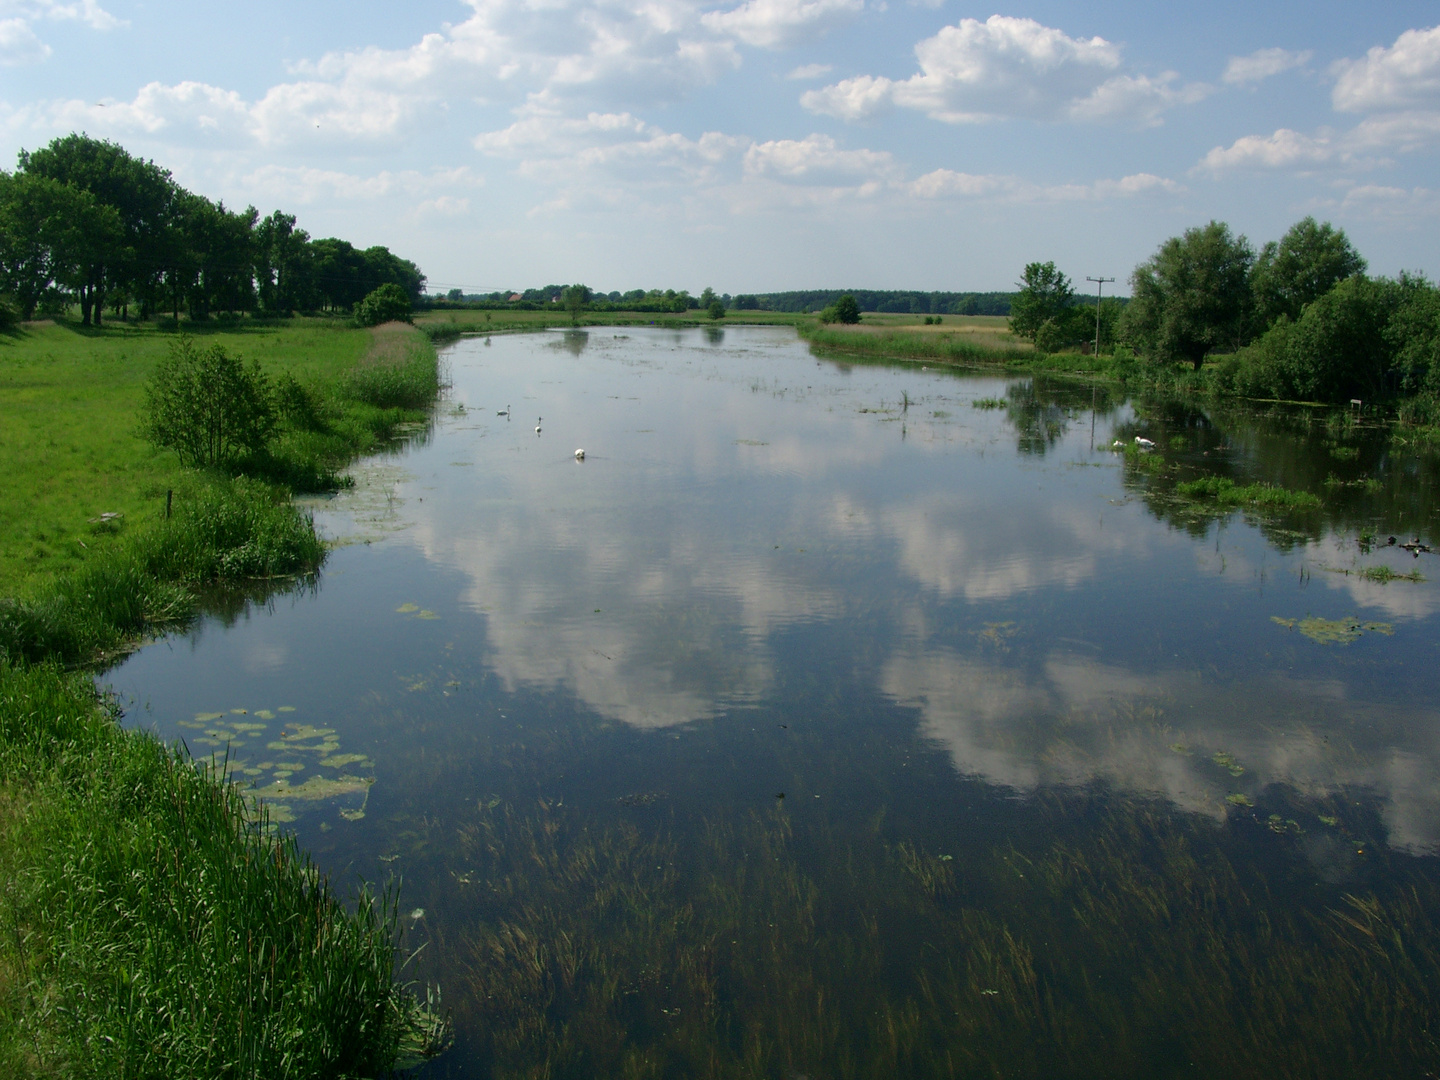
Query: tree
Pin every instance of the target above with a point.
(1192, 296)
(575, 297)
(1308, 262)
(209, 407)
(388, 303)
(1045, 293)
(716, 308)
(844, 310)
(139, 192)
(50, 234)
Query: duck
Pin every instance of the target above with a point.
(537, 424)
(579, 455)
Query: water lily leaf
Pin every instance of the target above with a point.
(339, 761)
(427, 614)
(265, 714)
(406, 609)
(286, 708)
(316, 788)
(1239, 800)
(249, 727)
(207, 717)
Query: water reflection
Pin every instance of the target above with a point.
(836, 615)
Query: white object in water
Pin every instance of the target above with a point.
(579, 455)
(1144, 443)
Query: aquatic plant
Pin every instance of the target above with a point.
(1224, 492)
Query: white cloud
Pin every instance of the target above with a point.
(86, 11)
(1399, 86)
(1262, 65)
(810, 71)
(1405, 75)
(776, 24)
(1009, 67)
(1284, 149)
(817, 159)
(19, 45)
(947, 184)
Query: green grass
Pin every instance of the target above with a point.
(69, 446)
(1225, 493)
(942, 344)
(151, 924)
(1383, 575)
(155, 926)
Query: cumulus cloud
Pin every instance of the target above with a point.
(1405, 75)
(1284, 149)
(776, 24)
(1397, 86)
(19, 44)
(1009, 67)
(307, 186)
(817, 159)
(1262, 65)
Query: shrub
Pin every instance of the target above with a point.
(388, 303)
(207, 406)
(717, 309)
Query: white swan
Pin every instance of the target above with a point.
(1144, 443)
(579, 455)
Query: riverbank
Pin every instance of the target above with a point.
(154, 923)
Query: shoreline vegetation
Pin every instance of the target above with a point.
(154, 922)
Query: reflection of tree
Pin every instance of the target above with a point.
(1041, 410)
(715, 335)
(573, 341)
(1363, 484)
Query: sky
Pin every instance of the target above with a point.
(759, 145)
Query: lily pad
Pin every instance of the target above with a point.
(316, 788)
(427, 614)
(305, 731)
(286, 708)
(250, 727)
(264, 714)
(339, 761)
(1239, 800)
(406, 609)
(207, 717)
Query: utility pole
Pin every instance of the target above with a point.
(1099, 288)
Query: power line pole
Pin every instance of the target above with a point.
(1099, 288)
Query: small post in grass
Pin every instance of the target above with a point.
(169, 497)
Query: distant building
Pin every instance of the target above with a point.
(515, 296)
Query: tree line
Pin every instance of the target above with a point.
(83, 221)
(669, 300)
(1299, 319)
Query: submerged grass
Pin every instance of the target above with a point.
(1130, 944)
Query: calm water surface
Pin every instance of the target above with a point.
(822, 723)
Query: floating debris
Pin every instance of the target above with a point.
(407, 609)
(1181, 748)
(1239, 799)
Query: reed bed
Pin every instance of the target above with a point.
(943, 346)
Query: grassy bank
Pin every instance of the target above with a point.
(451, 323)
(153, 925)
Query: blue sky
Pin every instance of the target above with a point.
(756, 145)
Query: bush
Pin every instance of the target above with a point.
(716, 309)
(844, 310)
(388, 303)
(207, 406)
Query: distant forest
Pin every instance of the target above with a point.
(900, 301)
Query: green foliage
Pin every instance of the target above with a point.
(1225, 493)
(716, 308)
(1413, 335)
(1191, 297)
(845, 310)
(1340, 348)
(1045, 297)
(388, 303)
(1307, 262)
(207, 406)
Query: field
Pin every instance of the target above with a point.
(69, 447)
